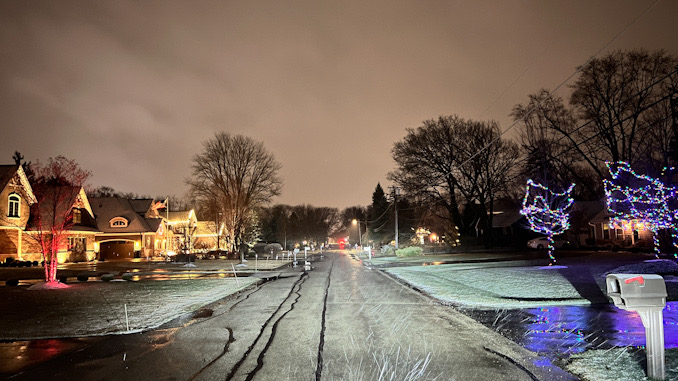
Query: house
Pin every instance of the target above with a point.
(209, 236)
(183, 224)
(62, 212)
(130, 228)
(632, 233)
(16, 198)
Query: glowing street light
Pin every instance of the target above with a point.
(360, 237)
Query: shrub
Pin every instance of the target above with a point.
(107, 277)
(12, 282)
(62, 279)
(273, 247)
(82, 277)
(412, 251)
(388, 250)
(127, 276)
(35, 263)
(9, 260)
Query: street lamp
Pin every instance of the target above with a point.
(360, 237)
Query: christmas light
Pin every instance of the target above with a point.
(547, 211)
(632, 197)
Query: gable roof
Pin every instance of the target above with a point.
(55, 207)
(133, 210)
(7, 172)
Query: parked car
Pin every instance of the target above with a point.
(543, 242)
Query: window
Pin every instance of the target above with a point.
(77, 216)
(14, 204)
(118, 222)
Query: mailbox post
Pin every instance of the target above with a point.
(645, 294)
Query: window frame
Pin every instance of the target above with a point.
(14, 205)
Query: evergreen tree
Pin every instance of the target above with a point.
(379, 225)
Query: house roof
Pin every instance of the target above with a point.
(506, 218)
(55, 207)
(181, 216)
(107, 208)
(7, 172)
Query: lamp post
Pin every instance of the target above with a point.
(360, 237)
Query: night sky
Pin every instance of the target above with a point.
(131, 89)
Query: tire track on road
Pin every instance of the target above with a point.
(235, 368)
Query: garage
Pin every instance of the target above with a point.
(116, 250)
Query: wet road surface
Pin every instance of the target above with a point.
(339, 321)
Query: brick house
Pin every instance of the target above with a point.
(16, 198)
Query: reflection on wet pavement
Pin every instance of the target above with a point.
(558, 332)
(16, 355)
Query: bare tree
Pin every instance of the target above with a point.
(239, 175)
(620, 100)
(450, 159)
(57, 187)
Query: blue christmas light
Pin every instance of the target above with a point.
(547, 211)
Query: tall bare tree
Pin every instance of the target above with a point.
(452, 159)
(240, 175)
(622, 100)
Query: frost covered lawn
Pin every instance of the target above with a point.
(618, 364)
(524, 284)
(95, 308)
(488, 286)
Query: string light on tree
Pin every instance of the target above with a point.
(633, 197)
(547, 211)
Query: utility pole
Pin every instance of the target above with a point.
(395, 192)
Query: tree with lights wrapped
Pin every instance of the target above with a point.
(547, 211)
(639, 198)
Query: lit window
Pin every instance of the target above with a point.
(77, 216)
(118, 222)
(14, 204)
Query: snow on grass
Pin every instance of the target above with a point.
(659, 267)
(492, 287)
(618, 364)
(97, 308)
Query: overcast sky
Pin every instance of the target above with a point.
(131, 89)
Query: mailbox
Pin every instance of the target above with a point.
(633, 291)
(646, 294)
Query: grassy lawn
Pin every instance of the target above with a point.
(488, 286)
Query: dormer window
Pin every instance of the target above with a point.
(118, 222)
(14, 205)
(77, 216)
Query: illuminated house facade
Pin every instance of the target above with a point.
(130, 228)
(67, 208)
(16, 198)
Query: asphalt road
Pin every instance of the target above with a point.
(339, 321)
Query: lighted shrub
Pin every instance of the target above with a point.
(412, 251)
(107, 277)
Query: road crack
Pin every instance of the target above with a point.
(321, 345)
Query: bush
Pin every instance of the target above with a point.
(273, 247)
(62, 279)
(412, 251)
(82, 277)
(9, 260)
(12, 282)
(127, 276)
(388, 250)
(35, 263)
(107, 277)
